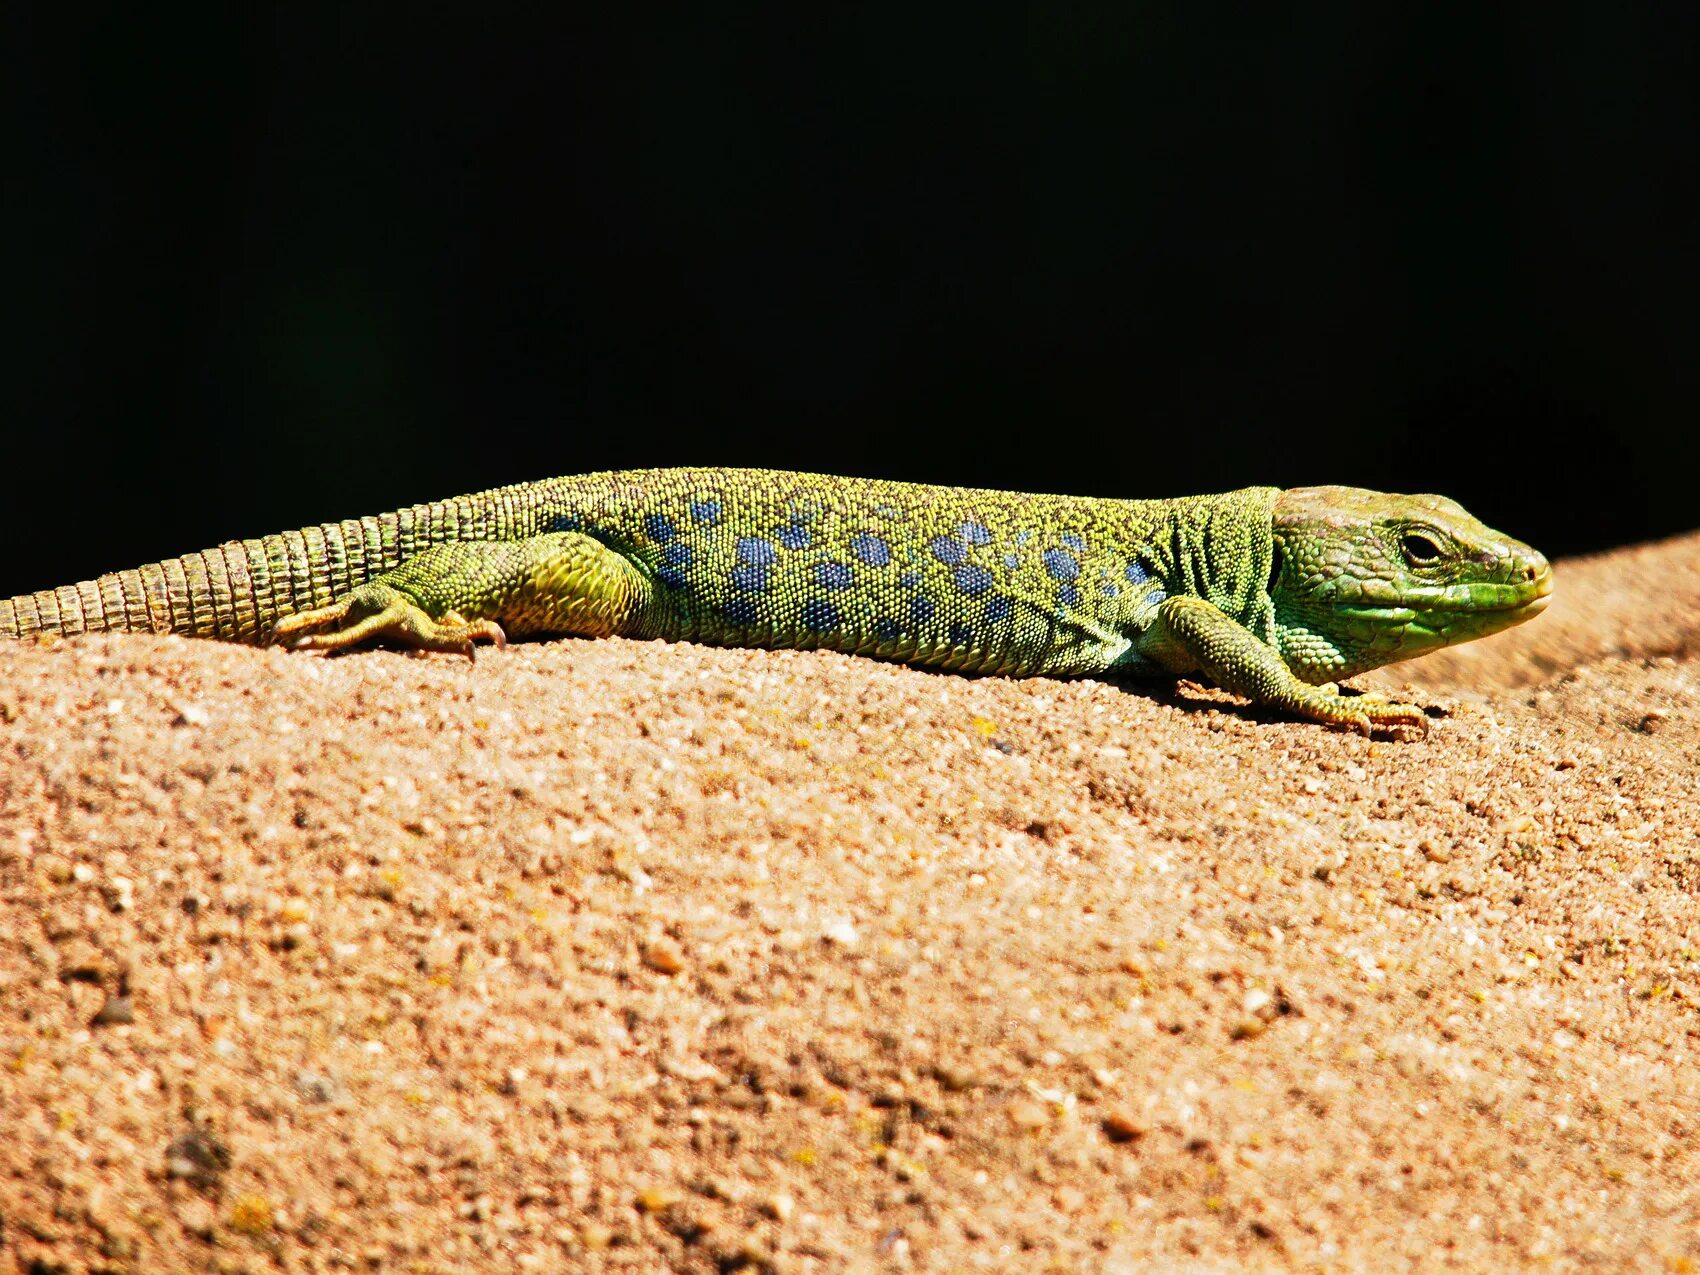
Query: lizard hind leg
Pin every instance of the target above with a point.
(452, 595)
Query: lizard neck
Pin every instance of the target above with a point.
(1220, 548)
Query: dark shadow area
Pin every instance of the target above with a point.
(272, 269)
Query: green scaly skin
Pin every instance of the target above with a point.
(1272, 594)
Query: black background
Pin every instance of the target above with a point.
(269, 270)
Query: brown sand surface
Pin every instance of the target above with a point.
(620, 955)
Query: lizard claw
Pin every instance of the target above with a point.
(470, 632)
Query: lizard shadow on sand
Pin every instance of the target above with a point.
(1171, 692)
(1181, 693)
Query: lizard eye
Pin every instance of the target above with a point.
(1419, 550)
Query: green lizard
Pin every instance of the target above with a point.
(1272, 594)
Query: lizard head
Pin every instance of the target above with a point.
(1365, 578)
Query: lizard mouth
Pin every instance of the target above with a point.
(1405, 614)
(1510, 603)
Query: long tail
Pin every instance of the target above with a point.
(240, 589)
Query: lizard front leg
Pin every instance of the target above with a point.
(452, 595)
(1190, 634)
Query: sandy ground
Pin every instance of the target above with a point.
(614, 955)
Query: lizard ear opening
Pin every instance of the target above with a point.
(1276, 560)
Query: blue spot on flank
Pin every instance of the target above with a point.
(754, 549)
(566, 522)
(833, 575)
(793, 537)
(1136, 573)
(1022, 537)
(870, 549)
(1068, 595)
(1061, 564)
(1012, 560)
(887, 630)
(660, 528)
(1155, 597)
(820, 615)
(742, 611)
(973, 579)
(961, 635)
(672, 577)
(909, 579)
(1073, 541)
(677, 554)
(948, 549)
(747, 575)
(922, 609)
(707, 512)
(975, 533)
(998, 608)
(1111, 590)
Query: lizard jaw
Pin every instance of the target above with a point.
(1510, 612)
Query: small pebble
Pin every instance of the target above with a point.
(664, 956)
(1069, 1199)
(190, 714)
(1121, 1126)
(82, 962)
(251, 1215)
(841, 933)
(117, 1011)
(953, 1078)
(1027, 1114)
(199, 1157)
(657, 1199)
(56, 868)
(315, 1086)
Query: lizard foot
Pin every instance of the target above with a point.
(1368, 712)
(381, 612)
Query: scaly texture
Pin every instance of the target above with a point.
(1267, 592)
